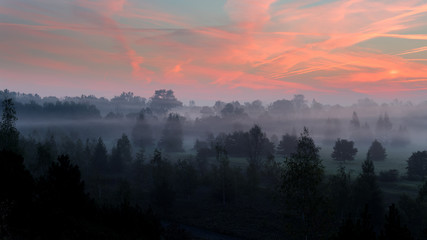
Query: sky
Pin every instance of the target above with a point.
(205, 50)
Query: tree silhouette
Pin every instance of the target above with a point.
(121, 155)
(62, 189)
(141, 133)
(355, 123)
(17, 186)
(233, 110)
(98, 164)
(344, 150)
(417, 165)
(162, 193)
(303, 172)
(258, 146)
(340, 192)
(384, 124)
(367, 192)
(393, 229)
(171, 140)
(223, 172)
(282, 107)
(186, 176)
(162, 101)
(361, 229)
(287, 145)
(9, 135)
(377, 152)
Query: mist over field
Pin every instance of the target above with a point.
(234, 161)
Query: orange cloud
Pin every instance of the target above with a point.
(265, 45)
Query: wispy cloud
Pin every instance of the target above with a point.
(289, 46)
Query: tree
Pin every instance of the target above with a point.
(344, 150)
(281, 107)
(272, 172)
(355, 123)
(233, 110)
(223, 172)
(377, 152)
(258, 146)
(361, 229)
(62, 189)
(9, 135)
(162, 193)
(393, 229)
(387, 125)
(163, 100)
(339, 187)
(384, 124)
(44, 157)
(302, 174)
(299, 102)
(141, 133)
(139, 172)
(367, 192)
(17, 185)
(171, 140)
(417, 165)
(186, 176)
(121, 154)
(287, 146)
(98, 163)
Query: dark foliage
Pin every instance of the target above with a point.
(344, 150)
(393, 229)
(287, 145)
(384, 124)
(301, 178)
(58, 110)
(142, 135)
(9, 135)
(162, 193)
(362, 228)
(162, 101)
(171, 140)
(367, 194)
(340, 193)
(377, 152)
(355, 123)
(99, 160)
(16, 194)
(57, 207)
(121, 155)
(417, 165)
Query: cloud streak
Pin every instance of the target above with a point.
(286, 47)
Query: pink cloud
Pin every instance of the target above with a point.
(267, 45)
